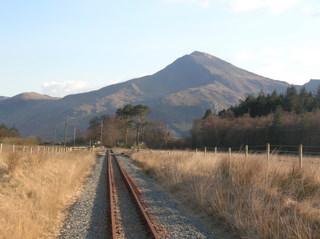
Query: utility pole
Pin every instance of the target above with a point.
(65, 132)
(166, 138)
(74, 135)
(55, 135)
(101, 132)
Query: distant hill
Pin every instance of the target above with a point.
(3, 97)
(32, 96)
(176, 94)
(312, 85)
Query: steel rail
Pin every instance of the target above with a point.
(135, 193)
(112, 197)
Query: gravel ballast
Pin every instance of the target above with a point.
(88, 217)
(177, 222)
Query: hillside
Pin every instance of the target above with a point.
(176, 94)
(26, 96)
(3, 97)
(312, 85)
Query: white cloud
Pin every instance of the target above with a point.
(54, 88)
(294, 65)
(276, 6)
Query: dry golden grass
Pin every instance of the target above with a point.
(257, 199)
(35, 189)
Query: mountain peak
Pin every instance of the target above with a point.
(197, 53)
(33, 96)
(176, 94)
(313, 85)
(202, 54)
(207, 59)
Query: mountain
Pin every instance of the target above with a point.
(176, 94)
(3, 97)
(32, 96)
(312, 85)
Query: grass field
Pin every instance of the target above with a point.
(35, 190)
(255, 198)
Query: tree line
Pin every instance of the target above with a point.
(12, 136)
(128, 126)
(290, 118)
(6, 132)
(291, 101)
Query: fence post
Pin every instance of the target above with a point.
(229, 150)
(13, 148)
(268, 152)
(205, 150)
(300, 155)
(215, 151)
(0, 148)
(31, 150)
(196, 150)
(246, 150)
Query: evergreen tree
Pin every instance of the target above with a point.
(207, 114)
(316, 102)
(291, 99)
(124, 115)
(134, 117)
(301, 106)
(276, 126)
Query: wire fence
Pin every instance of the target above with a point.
(274, 149)
(33, 149)
(298, 151)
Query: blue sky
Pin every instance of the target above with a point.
(67, 46)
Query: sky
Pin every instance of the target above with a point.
(65, 47)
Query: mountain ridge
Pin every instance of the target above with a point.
(3, 97)
(176, 94)
(32, 96)
(312, 86)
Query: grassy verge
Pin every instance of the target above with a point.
(257, 199)
(35, 189)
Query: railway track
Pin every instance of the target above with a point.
(129, 219)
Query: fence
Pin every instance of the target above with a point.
(33, 149)
(289, 150)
